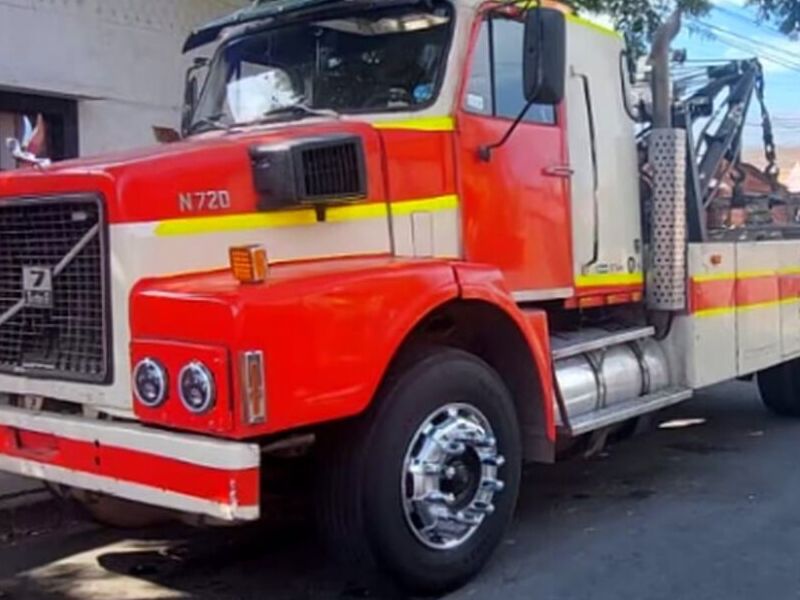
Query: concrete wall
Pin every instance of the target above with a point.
(120, 58)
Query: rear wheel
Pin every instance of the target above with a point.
(424, 486)
(780, 388)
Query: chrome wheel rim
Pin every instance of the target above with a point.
(450, 476)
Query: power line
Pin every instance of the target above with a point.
(759, 43)
(749, 20)
(750, 46)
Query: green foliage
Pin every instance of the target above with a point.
(638, 20)
(784, 13)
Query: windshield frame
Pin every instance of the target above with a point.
(273, 23)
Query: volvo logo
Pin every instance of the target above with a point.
(37, 287)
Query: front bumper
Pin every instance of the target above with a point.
(187, 473)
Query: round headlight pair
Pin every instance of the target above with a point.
(196, 386)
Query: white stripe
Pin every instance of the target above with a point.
(130, 491)
(545, 294)
(192, 449)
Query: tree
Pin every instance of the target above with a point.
(638, 20)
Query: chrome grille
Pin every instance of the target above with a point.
(53, 289)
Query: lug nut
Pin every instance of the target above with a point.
(437, 497)
(493, 485)
(493, 461)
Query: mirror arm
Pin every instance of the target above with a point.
(485, 152)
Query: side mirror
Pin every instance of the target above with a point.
(190, 92)
(545, 56)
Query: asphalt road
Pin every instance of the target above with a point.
(708, 507)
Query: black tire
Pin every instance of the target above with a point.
(780, 388)
(361, 509)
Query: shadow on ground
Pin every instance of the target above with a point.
(560, 505)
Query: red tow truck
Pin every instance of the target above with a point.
(416, 243)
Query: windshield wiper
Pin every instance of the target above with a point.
(209, 123)
(301, 109)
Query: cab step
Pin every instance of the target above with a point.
(623, 411)
(567, 344)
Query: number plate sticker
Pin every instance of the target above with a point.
(37, 286)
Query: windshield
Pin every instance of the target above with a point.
(367, 61)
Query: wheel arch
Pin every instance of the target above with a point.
(511, 346)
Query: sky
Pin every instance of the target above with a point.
(739, 35)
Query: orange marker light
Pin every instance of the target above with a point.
(249, 264)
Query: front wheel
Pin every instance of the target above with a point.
(424, 486)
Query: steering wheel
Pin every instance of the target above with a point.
(384, 97)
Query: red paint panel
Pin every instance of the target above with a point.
(328, 329)
(609, 290)
(714, 294)
(790, 286)
(515, 216)
(174, 356)
(419, 164)
(757, 290)
(145, 185)
(590, 297)
(143, 468)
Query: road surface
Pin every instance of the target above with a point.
(707, 506)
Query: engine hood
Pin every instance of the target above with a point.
(152, 184)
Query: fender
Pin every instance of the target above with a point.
(328, 329)
(486, 283)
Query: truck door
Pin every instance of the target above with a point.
(515, 206)
(606, 223)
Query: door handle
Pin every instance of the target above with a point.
(559, 171)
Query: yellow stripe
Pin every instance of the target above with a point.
(609, 279)
(789, 271)
(725, 310)
(592, 25)
(703, 277)
(299, 218)
(756, 274)
(421, 124)
(429, 205)
(714, 312)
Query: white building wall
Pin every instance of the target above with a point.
(121, 59)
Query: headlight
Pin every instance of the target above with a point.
(150, 382)
(196, 386)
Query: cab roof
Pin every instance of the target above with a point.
(265, 9)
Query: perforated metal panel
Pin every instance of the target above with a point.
(666, 282)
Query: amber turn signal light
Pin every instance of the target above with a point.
(249, 264)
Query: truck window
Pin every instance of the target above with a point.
(364, 61)
(506, 99)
